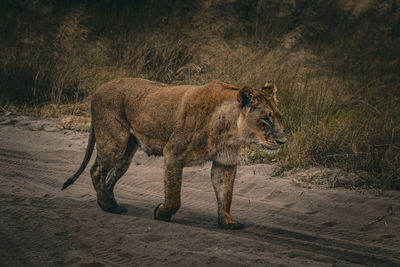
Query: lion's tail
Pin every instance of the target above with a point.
(89, 151)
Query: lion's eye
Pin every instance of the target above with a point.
(266, 121)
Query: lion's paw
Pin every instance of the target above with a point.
(116, 209)
(231, 226)
(161, 214)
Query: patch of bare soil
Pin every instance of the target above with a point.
(40, 225)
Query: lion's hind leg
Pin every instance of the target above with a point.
(112, 162)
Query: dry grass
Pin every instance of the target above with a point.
(336, 66)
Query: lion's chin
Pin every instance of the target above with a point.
(271, 150)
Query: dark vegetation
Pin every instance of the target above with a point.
(336, 64)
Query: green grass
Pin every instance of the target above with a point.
(343, 131)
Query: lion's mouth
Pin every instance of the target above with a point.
(271, 145)
(270, 148)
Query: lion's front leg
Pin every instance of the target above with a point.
(172, 187)
(223, 178)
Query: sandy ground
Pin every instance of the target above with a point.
(40, 225)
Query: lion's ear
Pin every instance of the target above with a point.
(270, 89)
(247, 98)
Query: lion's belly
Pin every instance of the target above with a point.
(151, 146)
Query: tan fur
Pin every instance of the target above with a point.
(188, 125)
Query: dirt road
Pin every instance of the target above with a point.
(285, 224)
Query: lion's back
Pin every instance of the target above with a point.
(154, 112)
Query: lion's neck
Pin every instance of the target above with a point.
(227, 122)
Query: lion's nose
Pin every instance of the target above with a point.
(281, 141)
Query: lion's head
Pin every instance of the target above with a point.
(260, 120)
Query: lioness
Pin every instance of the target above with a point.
(188, 125)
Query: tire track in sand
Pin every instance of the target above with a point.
(344, 245)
